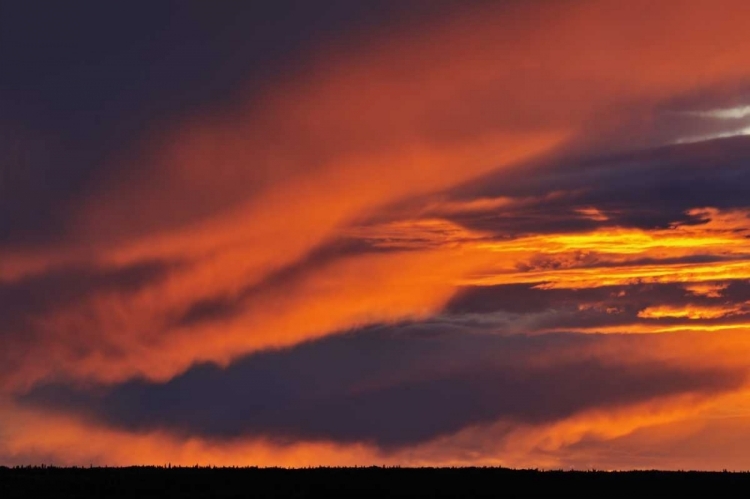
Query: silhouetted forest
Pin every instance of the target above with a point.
(146, 482)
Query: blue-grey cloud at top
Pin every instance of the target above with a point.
(389, 385)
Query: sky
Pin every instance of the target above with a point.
(293, 233)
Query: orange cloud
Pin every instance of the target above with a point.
(706, 289)
(692, 311)
(616, 256)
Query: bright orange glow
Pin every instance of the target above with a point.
(563, 258)
(692, 311)
(704, 289)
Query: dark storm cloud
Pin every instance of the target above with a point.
(392, 386)
(524, 298)
(635, 295)
(529, 298)
(604, 306)
(646, 189)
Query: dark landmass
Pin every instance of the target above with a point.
(147, 482)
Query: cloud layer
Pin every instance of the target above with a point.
(392, 386)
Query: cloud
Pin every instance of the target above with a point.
(38, 294)
(635, 307)
(389, 386)
(645, 189)
(26, 303)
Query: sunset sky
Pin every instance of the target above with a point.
(343, 232)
